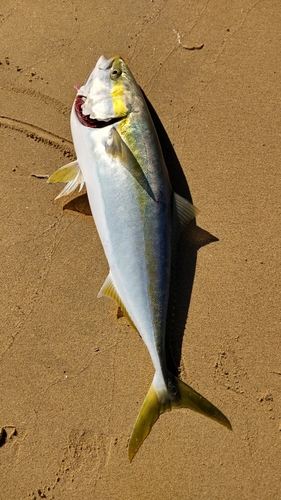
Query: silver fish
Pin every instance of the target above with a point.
(138, 218)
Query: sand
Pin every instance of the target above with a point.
(73, 377)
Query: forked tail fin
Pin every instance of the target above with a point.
(176, 394)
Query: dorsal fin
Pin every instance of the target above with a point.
(108, 289)
(183, 213)
(72, 175)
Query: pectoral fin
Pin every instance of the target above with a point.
(72, 175)
(116, 147)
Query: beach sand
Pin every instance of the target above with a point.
(72, 375)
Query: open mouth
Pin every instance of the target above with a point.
(92, 122)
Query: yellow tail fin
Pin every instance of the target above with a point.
(176, 394)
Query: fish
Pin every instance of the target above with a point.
(139, 219)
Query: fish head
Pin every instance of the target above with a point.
(108, 93)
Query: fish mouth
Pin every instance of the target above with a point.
(87, 121)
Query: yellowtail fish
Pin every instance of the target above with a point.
(138, 218)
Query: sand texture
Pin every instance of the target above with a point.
(72, 375)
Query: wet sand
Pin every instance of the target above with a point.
(72, 376)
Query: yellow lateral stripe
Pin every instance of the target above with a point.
(118, 91)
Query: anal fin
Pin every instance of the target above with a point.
(108, 289)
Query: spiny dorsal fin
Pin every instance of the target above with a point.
(116, 147)
(71, 174)
(108, 289)
(183, 213)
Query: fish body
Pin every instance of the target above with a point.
(131, 206)
(138, 218)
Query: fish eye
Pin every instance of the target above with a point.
(115, 73)
(116, 70)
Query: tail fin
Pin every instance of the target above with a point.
(176, 394)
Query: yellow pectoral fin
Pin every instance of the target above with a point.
(71, 174)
